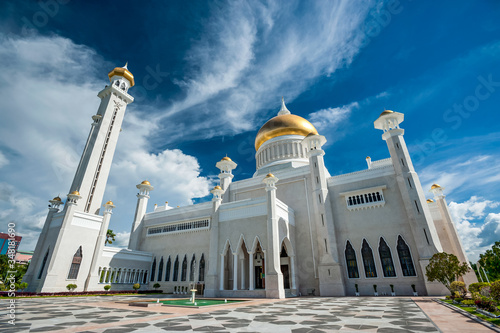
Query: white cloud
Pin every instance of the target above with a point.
(476, 235)
(121, 239)
(3, 160)
(330, 118)
(54, 97)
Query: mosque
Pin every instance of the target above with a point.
(292, 229)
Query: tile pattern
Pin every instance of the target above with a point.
(298, 315)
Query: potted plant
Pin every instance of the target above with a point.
(375, 290)
(71, 286)
(357, 291)
(175, 290)
(392, 290)
(156, 286)
(414, 290)
(107, 287)
(136, 286)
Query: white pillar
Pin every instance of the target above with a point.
(292, 272)
(221, 276)
(235, 271)
(242, 265)
(251, 278)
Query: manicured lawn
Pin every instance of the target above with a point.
(472, 311)
(199, 302)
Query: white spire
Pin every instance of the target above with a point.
(126, 64)
(283, 110)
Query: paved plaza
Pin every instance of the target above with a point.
(297, 315)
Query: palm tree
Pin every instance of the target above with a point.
(110, 237)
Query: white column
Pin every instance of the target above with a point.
(221, 276)
(251, 278)
(292, 272)
(242, 266)
(235, 271)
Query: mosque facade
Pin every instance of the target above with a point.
(292, 229)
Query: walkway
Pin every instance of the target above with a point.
(297, 315)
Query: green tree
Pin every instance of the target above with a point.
(136, 286)
(491, 261)
(110, 237)
(445, 268)
(156, 285)
(71, 286)
(107, 287)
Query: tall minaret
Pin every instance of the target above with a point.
(140, 210)
(93, 170)
(226, 166)
(415, 205)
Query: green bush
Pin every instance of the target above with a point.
(495, 290)
(477, 286)
(468, 302)
(156, 285)
(458, 286)
(136, 286)
(487, 304)
(71, 286)
(107, 287)
(458, 299)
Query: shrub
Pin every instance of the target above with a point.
(456, 294)
(485, 291)
(468, 302)
(458, 286)
(156, 285)
(107, 287)
(458, 299)
(486, 304)
(495, 290)
(71, 286)
(448, 297)
(23, 285)
(136, 286)
(477, 286)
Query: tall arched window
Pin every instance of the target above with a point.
(44, 261)
(192, 269)
(184, 269)
(167, 273)
(368, 261)
(153, 270)
(160, 270)
(352, 264)
(75, 264)
(386, 259)
(201, 274)
(176, 269)
(405, 258)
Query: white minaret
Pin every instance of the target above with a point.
(142, 204)
(226, 167)
(93, 170)
(212, 277)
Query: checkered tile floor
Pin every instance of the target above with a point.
(297, 315)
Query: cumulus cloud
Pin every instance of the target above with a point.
(121, 239)
(54, 97)
(476, 231)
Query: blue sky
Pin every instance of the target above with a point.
(209, 74)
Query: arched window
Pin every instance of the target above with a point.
(153, 270)
(352, 264)
(176, 269)
(117, 83)
(160, 270)
(44, 261)
(405, 258)
(75, 264)
(145, 277)
(192, 269)
(201, 274)
(386, 259)
(368, 261)
(167, 273)
(184, 269)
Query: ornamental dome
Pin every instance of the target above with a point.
(109, 203)
(435, 186)
(284, 123)
(145, 182)
(226, 159)
(124, 72)
(75, 193)
(217, 187)
(386, 112)
(57, 199)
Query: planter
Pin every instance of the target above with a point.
(393, 293)
(357, 294)
(375, 293)
(486, 313)
(415, 293)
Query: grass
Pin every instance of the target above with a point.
(472, 311)
(199, 302)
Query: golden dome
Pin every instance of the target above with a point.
(217, 187)
(269, 175)
(386, 112)
(124, 72)
(145, 182)
(57, 199)
(285, 124)
(226, 159)
(109, 203)
(75, 193)
(435, 186)
(368, 157)
(430, 200)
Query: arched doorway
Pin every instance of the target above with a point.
(285, 267)
(259, 268)
(228, 268)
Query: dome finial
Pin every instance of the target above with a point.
(283, 110)
(126, 64)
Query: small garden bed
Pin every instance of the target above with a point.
(474, 312)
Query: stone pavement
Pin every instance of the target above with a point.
(297, 315)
